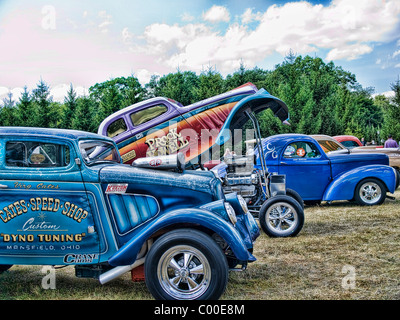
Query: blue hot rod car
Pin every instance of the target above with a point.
(67, 199)
(317, 176)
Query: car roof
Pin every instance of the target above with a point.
(322, 136)
(49, 132)
(347, 137)
(281, 139)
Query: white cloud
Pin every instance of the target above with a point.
(144, 75)
(59, 92)
(217, 14)
(93, 52)
(106, 21)
(397, 65)
(348, 52)
(187, 17)
(396, 53)
(3, 92)
(387, 94)
(248, 16)
(345, 30)
(16, 93)
(126, 35)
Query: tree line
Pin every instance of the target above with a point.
(322, 99)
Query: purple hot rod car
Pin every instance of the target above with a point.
(317, 176)
(161, 126)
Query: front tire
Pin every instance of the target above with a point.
(186, 264)
(370, 192)
(281, 216)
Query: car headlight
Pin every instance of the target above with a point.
(243, 203)
(231, 213)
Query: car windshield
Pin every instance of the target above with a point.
(97, 151)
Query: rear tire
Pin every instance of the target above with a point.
(370, 192)
(186, 264)
(397, 178)
(281, 216)
(296, 196)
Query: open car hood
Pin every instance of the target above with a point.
(260, 101)
(192, 130)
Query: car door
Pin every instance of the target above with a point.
(120, 130)
(307, 169)
(45, 216)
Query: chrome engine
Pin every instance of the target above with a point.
(238, 175)
(245, 185)
(241, 177)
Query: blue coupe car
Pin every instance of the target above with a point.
(67, 199)
(317, 176)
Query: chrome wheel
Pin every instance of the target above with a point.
(282, 218)
(184, 272)
(370, 192)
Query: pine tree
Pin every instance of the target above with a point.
(44, 116)
(7, 111)
(392, 114)
(133, 91)
(179, 86)
(111, 101)
(210, 84)
(25, 110)
(70, 104)
(152, 89)
(83, 118)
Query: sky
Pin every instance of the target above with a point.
(87, 42)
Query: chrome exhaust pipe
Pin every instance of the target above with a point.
(168, 162)
(119, 271)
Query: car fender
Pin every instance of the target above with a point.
(343, 186)
(127, 254)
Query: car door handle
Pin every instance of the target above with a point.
(3, 186)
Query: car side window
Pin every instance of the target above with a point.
(117, 127)
(329, 146)
(148, 114)
(36, 154)
(301, 149)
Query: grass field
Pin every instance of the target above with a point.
(343, 252)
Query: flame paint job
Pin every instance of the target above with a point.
(192, 129)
